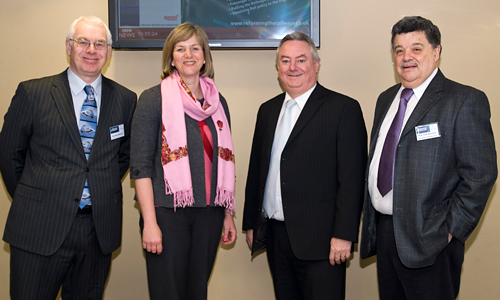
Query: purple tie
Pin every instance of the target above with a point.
(386, 166)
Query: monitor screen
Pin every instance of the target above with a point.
(145, 24)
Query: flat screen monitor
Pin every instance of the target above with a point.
(145, 24)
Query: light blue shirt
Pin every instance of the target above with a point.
(76, 84)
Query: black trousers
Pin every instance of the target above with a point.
(79, 266)
(190, 242)
(441, 281)
(296, 279)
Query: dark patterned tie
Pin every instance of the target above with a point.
(88, 125)
(386, 166)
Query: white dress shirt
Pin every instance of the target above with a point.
(296, 110)
(383, 204)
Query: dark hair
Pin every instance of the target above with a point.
(181, 33)
(419, 24)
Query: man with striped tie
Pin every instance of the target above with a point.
(64, 148)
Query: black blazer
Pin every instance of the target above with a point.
(44, 167)
(441, 185)
(322, 173)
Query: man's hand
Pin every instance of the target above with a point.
(250, 237)
(340, 251)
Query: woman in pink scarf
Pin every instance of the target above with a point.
(183, 164)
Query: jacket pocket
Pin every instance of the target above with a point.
(29, 192)
(430, 210)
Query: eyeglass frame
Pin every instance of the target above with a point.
(89, 43)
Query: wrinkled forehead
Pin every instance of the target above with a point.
(410, 38)
(412, 35)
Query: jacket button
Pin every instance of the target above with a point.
(77, 199)
(136, 172)
(88, 170)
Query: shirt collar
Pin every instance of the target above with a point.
(420, 90)
(302, 99)
(76, 84)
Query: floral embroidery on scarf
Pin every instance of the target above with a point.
(226, 154)
(206, 105)
(168, 155)
(220, 124)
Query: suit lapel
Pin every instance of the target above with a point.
(380, 112)
(61, 94)
(429, 98)
(309, 110)
(106, 110)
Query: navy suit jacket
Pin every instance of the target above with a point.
(322, 173)
(44, 166)
(441, 185)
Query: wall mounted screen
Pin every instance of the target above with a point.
(145, 24)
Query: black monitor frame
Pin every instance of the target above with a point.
(229, 43)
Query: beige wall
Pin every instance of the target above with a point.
(356, 60)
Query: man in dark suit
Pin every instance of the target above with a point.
(62, 163)
(429, 180)
(305, 180)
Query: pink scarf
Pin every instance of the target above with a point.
(174, 153)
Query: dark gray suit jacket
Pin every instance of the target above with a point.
(441, 185)
(44, 167)
(322, 173)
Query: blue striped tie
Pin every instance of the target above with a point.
(88, 125)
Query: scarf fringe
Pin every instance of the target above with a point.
(182, 198)
(175, 103)
(225, 198)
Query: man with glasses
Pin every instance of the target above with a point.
(64, 148)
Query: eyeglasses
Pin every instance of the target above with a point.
(82, 43)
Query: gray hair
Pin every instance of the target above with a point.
(89, 19)
(299, 36)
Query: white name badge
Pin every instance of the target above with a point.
(428, 131)
(117, 131)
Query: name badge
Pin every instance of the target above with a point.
(426, 132)
(117, 131)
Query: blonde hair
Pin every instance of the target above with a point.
(182, 33)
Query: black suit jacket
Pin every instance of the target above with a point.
(44, 166)
(441, 185)
(322, 173)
